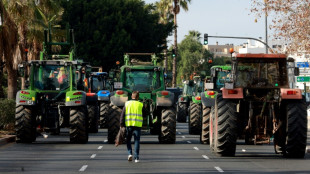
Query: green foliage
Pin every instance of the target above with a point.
(7, 112)
(106, 29)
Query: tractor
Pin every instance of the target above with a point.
(51, 100)
(257, 104)
(147, 78)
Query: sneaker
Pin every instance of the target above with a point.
(129, 157)
(136, 161)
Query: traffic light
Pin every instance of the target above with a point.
(173, 52)
(205, 39)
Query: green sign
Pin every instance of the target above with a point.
(303, 79)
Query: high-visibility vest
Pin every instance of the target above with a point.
(133, 114)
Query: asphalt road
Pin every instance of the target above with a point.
(54, 154)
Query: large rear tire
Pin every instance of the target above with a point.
(181, 112)
(168, 127)
(211, 128)
(113, 123)
(204, 136)
(194, 121)
(78, 125)
(225, 127)
(296, 129)
(93, 114)
(104, 108)
(24, 124)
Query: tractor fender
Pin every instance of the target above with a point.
(183, 99)
(236, 93)
(104, 95)
(26, 97)
(75, 98)
(91, 98)
(208, 100)
(164, 98)
(119, 100)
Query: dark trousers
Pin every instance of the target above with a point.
(136, 132)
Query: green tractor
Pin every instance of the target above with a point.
(52, 100)
(147, 78)
(184, 100)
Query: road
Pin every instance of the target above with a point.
(54, 154)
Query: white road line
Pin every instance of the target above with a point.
(83, 168)
(105, 141)
(243, 150)
(189, 142)
(100, 147)
(176, 130)
(196, 148)
(205, 157)
(93, 156)
(179, 133)
(219, 169)
(183, 136)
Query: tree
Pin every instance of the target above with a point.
(290, 21)
(106, 29)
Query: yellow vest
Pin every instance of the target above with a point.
(133, 114)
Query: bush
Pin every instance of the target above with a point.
(7, 113)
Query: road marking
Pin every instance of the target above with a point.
(196, 148)
(179, 133)
(183, 136)
(105, 141)
(219, 169)
(100, 147)
(205, 157)
(176, 130)
(93, 156)
(189, 142)
(83, 168)
(243, 150)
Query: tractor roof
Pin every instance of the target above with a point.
(267, 56)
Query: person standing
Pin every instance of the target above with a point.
(132, 118)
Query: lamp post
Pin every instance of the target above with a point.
(266, 27)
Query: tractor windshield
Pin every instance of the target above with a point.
(188, 89)
(262, 73)
(221, 77)
(99, 83)
(51, 77)
(142, 80)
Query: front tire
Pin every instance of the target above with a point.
(181, 112)
(78, 125)
(168, 127)
(194, 121)
(104, 108)
(225, 127)
(113, 123)
(204, 136)
(93, 115)
(24, 124)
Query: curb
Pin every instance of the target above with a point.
(7, 139)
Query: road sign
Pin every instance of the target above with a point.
(302, 64)
(303, 79)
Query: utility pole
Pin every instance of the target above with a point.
(266, 26)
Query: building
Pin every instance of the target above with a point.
(220, 50)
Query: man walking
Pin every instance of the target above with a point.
(132, 118)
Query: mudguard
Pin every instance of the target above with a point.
(26, 97)
(287, 93)
(185, 99)
(104, 95)
(196, 99)
(75, 98)
(208, 98)
(164, 98)
(119, 99)
(236, 93)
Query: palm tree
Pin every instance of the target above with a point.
(174, 7)
(163, 8)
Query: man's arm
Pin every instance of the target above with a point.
(122, 118)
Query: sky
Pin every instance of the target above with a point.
(219, 18)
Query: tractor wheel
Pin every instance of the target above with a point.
(204, 136)
(225, 127)
(113, 123)
(93, 118)
(104, 107)
(211, 128)
(194, 121)
(78, 125)
(296, 129)
(24, 124)
(181, 112)
(168, 127)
